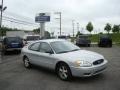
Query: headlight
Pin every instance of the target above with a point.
(81, 63)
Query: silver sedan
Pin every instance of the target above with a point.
(65, 58)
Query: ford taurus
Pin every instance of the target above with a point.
(65, 58)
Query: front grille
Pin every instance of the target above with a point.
(98, 62)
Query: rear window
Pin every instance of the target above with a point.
(62, 37)
(104, 36)
(83, 37)
(13, 39)
(32, 38)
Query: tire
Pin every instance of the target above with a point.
(99, 45)
(110, 45)
(26, 62)
(88, 45)
(4, 52)
(64, 72)
(19, 51)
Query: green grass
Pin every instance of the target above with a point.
(115, 37)
(94, 38)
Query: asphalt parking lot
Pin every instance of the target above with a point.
(13, 75)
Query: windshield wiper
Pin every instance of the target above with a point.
(75, 49)
(69, 51)
(63, 52)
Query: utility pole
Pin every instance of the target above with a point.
(1, 11)
(78, 26)
(60, 23)
(73, 27)
(59, 19)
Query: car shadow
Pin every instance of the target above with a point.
(91, 79)
(52, 74)
(44, 70)
(9, 53)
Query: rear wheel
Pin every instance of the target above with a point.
(26, 62)
(4, 52)
(110, 45)
(64, 72)
(88, 45)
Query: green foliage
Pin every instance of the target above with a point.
(115, 37)
(89, 27)
(47, 34)
(78, 33)
(94, 38)
(36, 31)
(108, 28)
(3, 30)
(116, 29)
(101, 33)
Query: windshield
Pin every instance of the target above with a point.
(63, 46)
(31, 38)
(83, 37)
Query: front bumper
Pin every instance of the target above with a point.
(88, 71)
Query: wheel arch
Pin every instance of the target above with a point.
(59, 62)
(24, 56)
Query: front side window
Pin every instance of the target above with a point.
(45, 47)
(35, 47)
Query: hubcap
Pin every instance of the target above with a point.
(63, 72)
(26, 62)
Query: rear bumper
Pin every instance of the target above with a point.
(88, 71)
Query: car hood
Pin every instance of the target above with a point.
(80, 55)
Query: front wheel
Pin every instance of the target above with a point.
(27, 62)
(64, 72)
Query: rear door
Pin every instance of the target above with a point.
(33, 53)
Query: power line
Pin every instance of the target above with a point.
(18, 16)
(18, 20)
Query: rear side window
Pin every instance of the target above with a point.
(45, 47)
(35, 47)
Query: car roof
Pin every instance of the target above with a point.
(49, 40)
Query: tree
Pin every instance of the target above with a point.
(36, 31)
(47, 34)
(116, 29)
(108, 28)
(78, 33)
(3, 30)
(52, 34)
(89, 27)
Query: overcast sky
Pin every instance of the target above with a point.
(99, 12)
